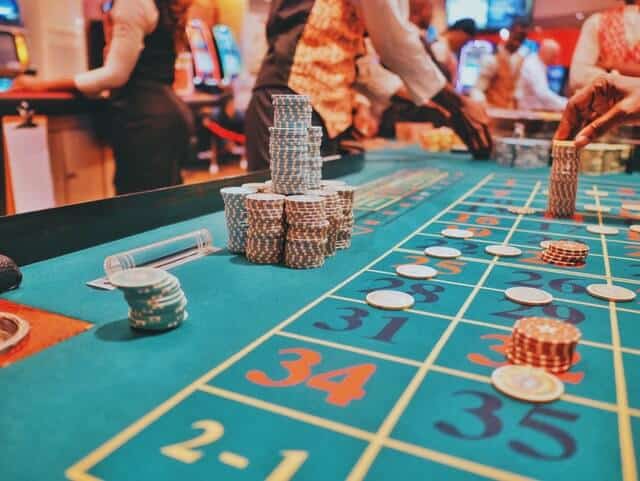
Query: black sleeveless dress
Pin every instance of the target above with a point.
(152, 129)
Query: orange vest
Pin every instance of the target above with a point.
(324, 64)
(501, 91)
(614, 47)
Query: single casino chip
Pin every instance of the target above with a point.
(545, 244)
(632, 206)
(522, 210)
(528, 296)
(635, 228)
(416, 271)
(596, 193)
(13, 330)
(501, 250)
(457, 233)
(138, 278)
(10, 275)
(602, 229)
(597, 208)
(546, 330)
(442, 252)
(610, 292)
(390, 300)
(527, 383)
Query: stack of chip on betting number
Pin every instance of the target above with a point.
(315, 157)
(346, 193)
(291, 162)
(307, 232)
(333, 213)
(266, 231)
(545, 343)
(236, 216)
(565, 253)
(563, 182)
(156, 300)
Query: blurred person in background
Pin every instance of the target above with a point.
(313, 47)
(608, 42)
(446, 50)
(151, 128)
(499, 73)
(533, 91)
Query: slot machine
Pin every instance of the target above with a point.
(229, 56)
(206, 66)
(14, 55)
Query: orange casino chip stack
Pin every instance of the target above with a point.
(563, 182)
(549, 344)
(565, 253)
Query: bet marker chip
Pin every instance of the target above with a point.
(635, 228)
(416, 271)
(597, 208)
(634, 206)
(442, 252)
(528, 296)
(527, 383)
(503, 250)
(522, 210)
(457, 233)
(602, 229)
(611, 293)
(390, 300)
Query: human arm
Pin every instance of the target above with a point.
(584, 64)
(132, 20)
(488, 68)
(607, 102)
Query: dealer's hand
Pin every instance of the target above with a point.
(609, 101)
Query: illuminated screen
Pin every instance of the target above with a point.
(489, 14)
(202, 57)
(9, 12)
(228, 51)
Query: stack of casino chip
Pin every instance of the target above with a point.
(266, 232)
(545, 343)
(315, 157)
(563, 182)
(346, 193)
(307, 231)
(565, 253)
(156, 300)
(236, 216)
(291, 163)
(334, 214)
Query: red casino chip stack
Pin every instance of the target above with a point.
(266, 231)
(549, 344)
(565, 253)
(307, 232)
(347, 196)
(563, 182)
(333, 211)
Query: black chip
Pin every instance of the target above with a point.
(10, 275)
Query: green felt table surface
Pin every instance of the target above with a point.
(115, 404)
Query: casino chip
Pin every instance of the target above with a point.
(156, 300)
(522, 210)
(10, 275)
(457, 233)
(632, 206)
(602, 229)
(528, 296)
(235, 212)
(563, 181)
(309, 230)
(442, 252)
(545, 244)
(503, 250)
(415, 271)
(597, 208)
(390, 300)
(565, 253)
(610, 292)
(635, 228)
(527, 383)
(13, 330)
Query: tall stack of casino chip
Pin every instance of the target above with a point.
(307, 232)
(266, 231)
(291, 161)
(545, 343)
(346, 193)
(563, 182)
(334, 215)
(236, 216)
(565, 253)
(156, 300)
(315, 157)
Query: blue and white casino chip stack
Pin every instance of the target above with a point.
(295, 160)
(236, 216)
